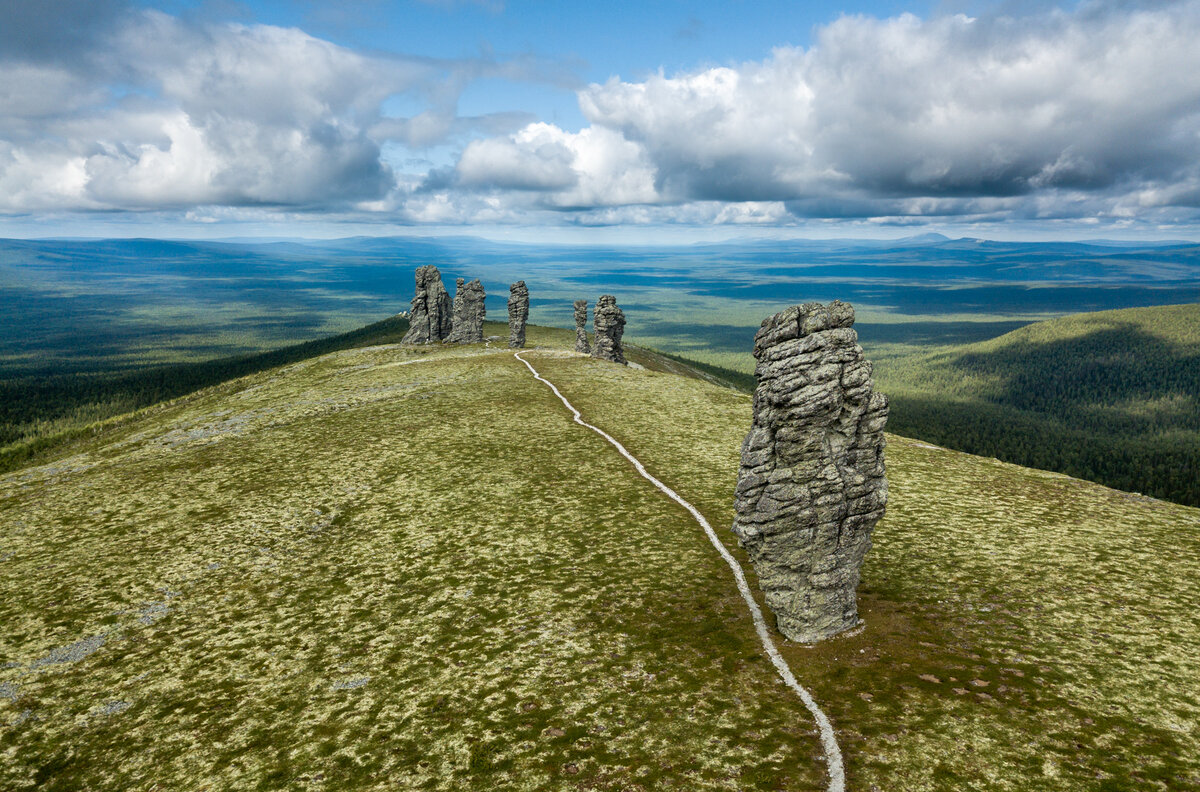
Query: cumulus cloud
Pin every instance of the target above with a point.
(211, 114)
(140, 110)
(1090, 112)
(594, 167)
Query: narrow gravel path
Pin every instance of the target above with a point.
(833, 755)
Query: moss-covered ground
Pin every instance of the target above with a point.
(399, 568)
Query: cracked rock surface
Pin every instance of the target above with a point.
(608, 325)
(430, 318)
(811, 485)
(518, 313)
(469, 310)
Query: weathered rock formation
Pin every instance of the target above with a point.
(608, 325)
(430, 319)
(518, 313)
(467, 327)
(581, 341)
(811, 484)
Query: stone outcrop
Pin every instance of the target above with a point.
(811, 484)
(518, 313)
(581, 339)
(467, 326)
(608, 325)
(429, 320)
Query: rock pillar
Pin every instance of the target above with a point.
(468, 313)
(608, 325)
(811, 486)
(430, 319)
(581, 339)
(518, 313)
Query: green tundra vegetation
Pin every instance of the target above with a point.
(42, 410)
(407, 568)
(1112, 396)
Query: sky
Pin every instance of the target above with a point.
(641, 121)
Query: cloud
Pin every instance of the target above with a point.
(154, 111)
(1092, 113)
(594, 167)
(1086, 113)
(57, 30)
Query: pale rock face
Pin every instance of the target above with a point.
(581, 339)
(608, 325)
(811, 486)
(430, 319)
(518, 313)
(467, 327)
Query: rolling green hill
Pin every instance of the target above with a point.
(44, 410)
(1112, 397)
(407, 568)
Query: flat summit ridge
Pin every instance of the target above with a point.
(401, 566)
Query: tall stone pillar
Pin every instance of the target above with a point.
(581, 339)
(608, 325)
(518, 313)
(469, 311)
(811, 486)
(430, 318)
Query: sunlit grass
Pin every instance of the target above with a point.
(407, 568)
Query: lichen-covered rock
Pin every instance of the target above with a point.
(467, 327)
(608, 325)
(581, 339)
(811, 484)
(430, 319)
(518, 313)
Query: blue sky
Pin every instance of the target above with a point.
(671, 120)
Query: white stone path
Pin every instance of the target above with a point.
(833, 755)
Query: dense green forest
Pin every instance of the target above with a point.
(1112, 396)
(39, 412)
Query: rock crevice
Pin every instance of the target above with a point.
(811, 485)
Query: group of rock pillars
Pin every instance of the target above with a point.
(434, 319)
(811, 485)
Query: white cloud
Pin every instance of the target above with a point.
(163, 113)
(1085, 113)
(1092, 113)
(594, 167)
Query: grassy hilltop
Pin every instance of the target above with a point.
(399, 568)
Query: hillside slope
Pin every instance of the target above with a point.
(1112, 397)
(389, 567)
